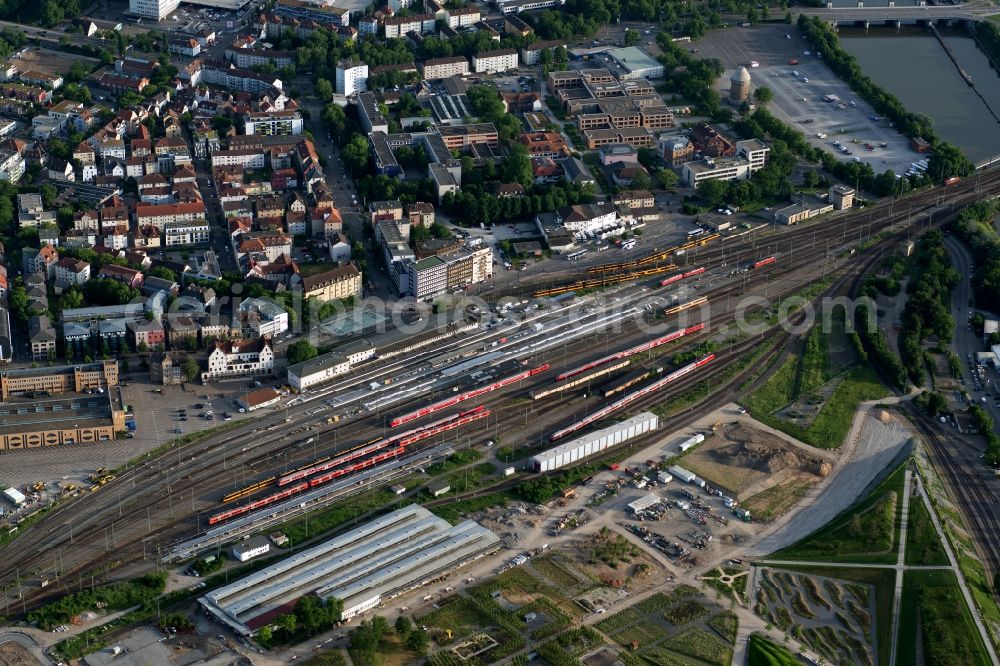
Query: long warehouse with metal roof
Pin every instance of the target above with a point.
(364, 567)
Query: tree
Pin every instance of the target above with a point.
(288, 622)
(48, 191)
(190, 369)
(418, 640)
(667, 178)
(752, 15)
(356, 155)
(311, 612)
(641, 180)
(163, 273)
(947, 161)
(221, 123)
(324, 89)
(403, 627)
(299, 351)
(763, 95)
(713, 192)
(264, 634)
(71, 299)
(631, 37)
(335, 120)
(105, 291)
(517, 168)
(854, 526)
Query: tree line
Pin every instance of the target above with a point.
(927, 311)
(473, 205)
(974, 227)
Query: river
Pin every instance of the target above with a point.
(913, 66)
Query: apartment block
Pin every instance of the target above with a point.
(270, 123)
(442, 68)
(493, 62)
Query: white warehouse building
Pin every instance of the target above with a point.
(363, 568)
(595, 442)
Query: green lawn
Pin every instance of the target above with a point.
(829, 429)
(865, 532)
(933, 602)
(762, 652)
(800, 375)
(922, 543)
(457, 510)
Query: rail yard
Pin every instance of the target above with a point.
(393, 416)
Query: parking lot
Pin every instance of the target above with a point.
(799, 90)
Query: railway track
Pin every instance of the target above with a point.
(157, 512)
(972, 486)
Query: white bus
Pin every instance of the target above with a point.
(574, 256)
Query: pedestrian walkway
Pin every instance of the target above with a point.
(897, 598)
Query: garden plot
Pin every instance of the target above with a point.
(673, 629)
(744, 461)
(835, 618)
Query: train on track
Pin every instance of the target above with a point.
(631, 351)
(763, 262)
(357, 458)
(604, 281)
(655, 257)
(681, 276)
(680, 307)
(604, 412)
(467, 395)
(577, 380)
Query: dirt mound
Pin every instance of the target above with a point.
(768, 457)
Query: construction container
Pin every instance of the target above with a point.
(692, 442)
(682, 474)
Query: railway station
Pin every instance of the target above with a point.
(363, 568)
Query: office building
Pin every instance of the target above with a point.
(154, 9)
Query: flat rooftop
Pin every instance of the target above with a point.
(78, 410)
(633, 58)
(362, 567)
